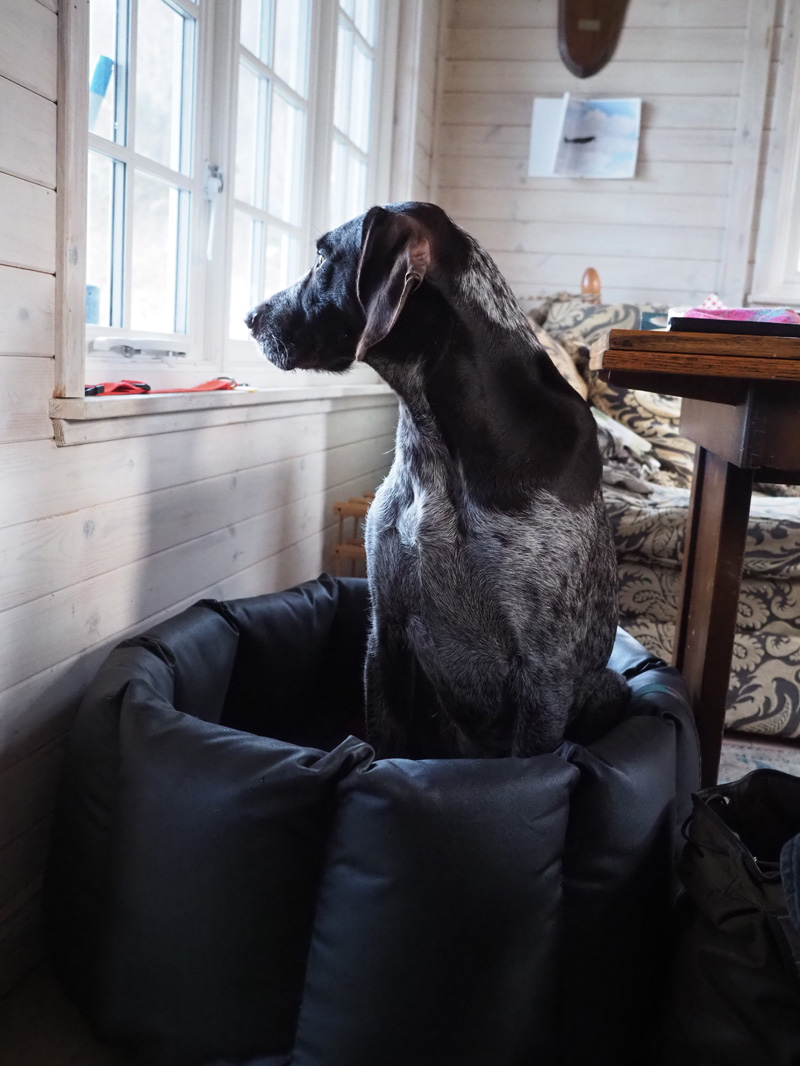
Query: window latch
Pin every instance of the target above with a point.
(213, 184)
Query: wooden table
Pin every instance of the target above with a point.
(741, 407)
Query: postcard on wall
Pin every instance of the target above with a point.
(584, 138)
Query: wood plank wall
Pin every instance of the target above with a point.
(98, 541)
(658, 237)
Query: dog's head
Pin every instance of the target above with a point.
(350, 300)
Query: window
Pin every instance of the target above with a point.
(224, 136)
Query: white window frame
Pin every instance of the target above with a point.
(776, 273)
(215, 354)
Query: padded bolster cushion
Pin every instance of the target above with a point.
(218, 847)
(438, 921)
(300, 661)
(617, 892)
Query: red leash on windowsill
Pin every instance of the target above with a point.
(130, 388)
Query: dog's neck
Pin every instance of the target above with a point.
(488, 401)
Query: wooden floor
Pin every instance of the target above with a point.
(40, 1027)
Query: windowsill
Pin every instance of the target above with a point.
(96, 418)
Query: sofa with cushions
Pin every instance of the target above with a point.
(647, 478)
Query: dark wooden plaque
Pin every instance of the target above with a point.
(588, 32)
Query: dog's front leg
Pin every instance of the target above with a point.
(401, 720)
(388, 692)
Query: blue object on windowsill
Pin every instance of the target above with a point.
(98, 87)
(92, 305)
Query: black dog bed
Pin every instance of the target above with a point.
(234, 879)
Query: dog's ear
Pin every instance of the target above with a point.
(395, 255)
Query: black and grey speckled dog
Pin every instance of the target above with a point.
(490, 559)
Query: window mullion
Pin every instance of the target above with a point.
(130, 141)
(190, 182)
(118, 243)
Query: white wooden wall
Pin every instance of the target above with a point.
(662, 236)
(99, 540)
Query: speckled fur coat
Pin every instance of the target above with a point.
(490, 560)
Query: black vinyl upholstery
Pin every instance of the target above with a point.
(234, 878)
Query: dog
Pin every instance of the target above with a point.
(490, 560)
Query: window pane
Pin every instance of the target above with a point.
(338, 206)
(290, 61)
(360, 99)
(365, 19)
(102, 67)
(254, 27)
(344, 60)
(251, 124)
(356, 186)
(281, 257)
(155, 255)
(164, 59)
(286, 159)
(98, 240)
(348, 6)
(353, 100)
(244, 274)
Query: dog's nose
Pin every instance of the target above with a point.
(251, 318)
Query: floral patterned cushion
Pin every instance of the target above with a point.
(590, 320)
(764, 692)
(564, 364)
(656, 418)
(582, 328)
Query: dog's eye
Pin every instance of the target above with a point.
(319, 260)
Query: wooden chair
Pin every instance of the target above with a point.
(351, 548)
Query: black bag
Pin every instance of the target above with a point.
(734, 998)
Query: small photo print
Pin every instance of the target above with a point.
(599, 139)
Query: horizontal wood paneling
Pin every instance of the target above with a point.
(91, 612)
(27, 134)
(25, 384)
(657, 145)
(577, 206)
(706, 45)
(28, 790)
(57, 552)
(27, 225)
(683, 14)
(524, 271)
(27, 312)
(21, 944)
(28, 46)
(23, 858)
(673, 179)
(684, 60)
(38, 480)
(607, 239)
(664, 112)
(622, 79)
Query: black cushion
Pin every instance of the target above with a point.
(439, 919)
(219, 839)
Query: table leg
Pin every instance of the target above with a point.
(716, 532)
